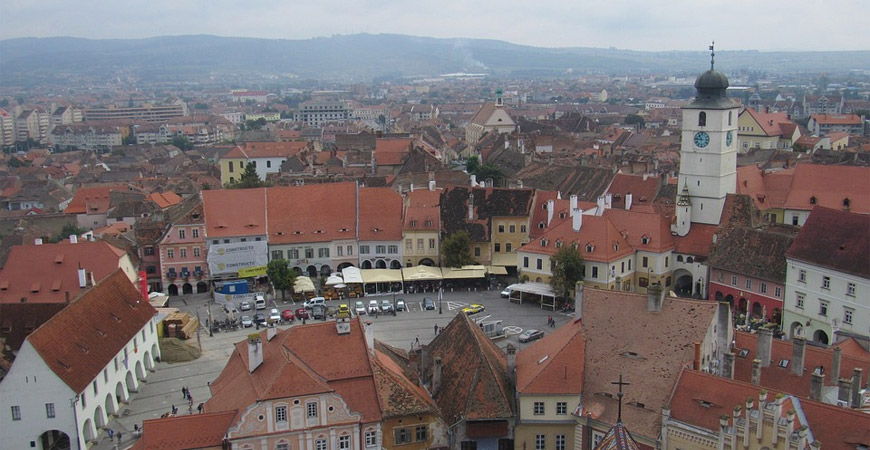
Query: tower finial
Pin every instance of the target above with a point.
(712, 54)
(619, 396)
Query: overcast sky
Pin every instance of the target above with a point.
(624, 24)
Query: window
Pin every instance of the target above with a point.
(802, 276)
(497, 247)
(268, 164)
(764, 288)
(403, 435)
(421, 433)
(96, 390)
(282, 446)
(320, 444)
(409, 244)
(794, 220)
(149, 251)
(748, 284)
(733, 280)
(309, 253)
(644, 262)
(799, 300)
(16, 412)
(344, 442)
(349, 250)
(522, 229)
(181, 233)
(540, 264)
(323, 252)
(622, 267)
(823, 308)
(847, 315)
(380, 249)
(512, 228)
(501, 228)
(231, 168)
(49, 410)
(195, 233)
(539, 408)
(702, 119)
(594, 272)
(850, 289)
(339, 251)
(106, 370)
(679, 258)
(280, 414)
(392, 249)
(363, 250)
(170, 253)
(596, 438)
(560, 442)
(667, 259)
(826, 282)
(371, 438)
(508, 247)
(777, 291)
(196, 252)
(468, 445)
(419, 244)
(561, 408)
(183, 252)
(116, 364)
(540, 441)
(477, 252)
(293, 254)
(525, 261)
(431, 244)
(311, 409)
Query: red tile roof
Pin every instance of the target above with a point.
(380, 215)
(392, 151)
(643, 189)
(698, 242)
(185, 432)
(416, 218)
(769, 122)
(91, 200)
(313, 213)
(607, 242)
(44, 273)
(234, 212)
(830, 185)
(639, 227)
(837, 119)
(836, 240)
(282, 149)
(397, 395)
(166, 199)
(81, 340)
(554, 364)
(424, 197)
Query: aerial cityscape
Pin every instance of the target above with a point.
(488, 226)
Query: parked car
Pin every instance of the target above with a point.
(302, 313)
(260, 302)
(531, 335)
(245, 306)
(247, 322)
(274, 315)
(260, 318)
(474, 308)
(287, 315)
(314, 301)
(506, 293)
(343, 310)
(400, 305)
(373, 307)
(318, 311)
(359, 307)
(428, 303)
(386, 306)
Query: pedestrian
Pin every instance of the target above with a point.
(183, 392)
(111, 433)
(136, 429)
(200, 408)
(552, 323)
(436, 330)
(120, 435)
(174, 410)
(549, 320)
(190, 400)
(417, 340)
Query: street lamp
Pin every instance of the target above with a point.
(440, 297)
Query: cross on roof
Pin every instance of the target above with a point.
(619, 396)
(712, 54)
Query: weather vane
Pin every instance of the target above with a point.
(712, 54)
(619, 396)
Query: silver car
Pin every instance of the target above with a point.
(531, 335)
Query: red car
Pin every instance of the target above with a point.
(302, 313)
(287, 315)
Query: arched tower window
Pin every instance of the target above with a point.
(729, 117)
(702, 119)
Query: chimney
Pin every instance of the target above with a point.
(37, 241)
(519, 184)
(432, 185)
(835, 365)
(578, 300)
(83, 280)
(777, 412)
(756, 372)
(512, 363)
(436, 375)
(573, 200)
(747, 421)
(91, 281)
(271, 332)
(411, 187)
(551, 206)
(797, 356)
(255, 352)
(576, 219)
(471, 206)
(608, 201)
(342, 325)
(696, 364)
(73, 239)
(370, 336)
(856, 387)
(765, 342)
(844, 394)
(816, 386)
(728, 366)
(600, 204)
(654, 298)
(473, 180)
(762, 402)
(628, 201)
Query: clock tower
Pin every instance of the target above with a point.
(708, 150)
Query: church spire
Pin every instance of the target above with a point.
(712, 55)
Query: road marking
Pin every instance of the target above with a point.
(456, 305)
(511, 329)
(481, 318)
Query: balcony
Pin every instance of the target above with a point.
(171, 275)
(197, 273)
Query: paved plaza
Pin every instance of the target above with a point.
(163, 387)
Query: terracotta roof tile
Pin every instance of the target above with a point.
(397, 395)
(313, 213)
(554, 364)
(644, 231)
(185, 432)
(607, 243)
(698, 242)
(757, 253)
(235, 212)
(830, 186)
(643, 189)
(834, 239)
(380, 215)
(78, 342)
(93, 200)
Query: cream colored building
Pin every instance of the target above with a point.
(491, 117)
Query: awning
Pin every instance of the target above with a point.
(303, 284)
(351, 275)
(533, 288)
(334, 279)
(421, 273)
(381, 275)
(464, 272)
(496, 270)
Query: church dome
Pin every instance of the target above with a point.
(712, 79)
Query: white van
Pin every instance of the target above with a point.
(314, 301)
(260, 302)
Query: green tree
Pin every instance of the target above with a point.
(472, 164)
(281, 276)
(68, 229)
(567, 270)
(129, 140)
(456, 249)
(182, 143)
(249, 179)
(200, 106)
(489, 171)
(634, 119)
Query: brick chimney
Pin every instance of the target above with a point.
(765, 342)
(844, 393)
(255, 352)
(816, 386)
(436, 375)
(756, 372)
(797, 356)
(512, 363)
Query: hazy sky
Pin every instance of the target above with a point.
(625, 24)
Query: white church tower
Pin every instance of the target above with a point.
(708, 151)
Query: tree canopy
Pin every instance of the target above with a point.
(249, 179)
(567, 270)
(182, 142)
(281, 276)
(456, 249)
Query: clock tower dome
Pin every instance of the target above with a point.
(708, 148)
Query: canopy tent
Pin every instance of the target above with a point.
(421, 273)
(334, 279)
(381, 275)
(303, 284)
(351, 275)
(542, 289)
(463, 272)
(496, 270)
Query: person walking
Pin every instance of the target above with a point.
(549, 320)
(120, 435)
(436, 329)
(417, 340)
(111, 434)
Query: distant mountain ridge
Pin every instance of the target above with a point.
(362, 57)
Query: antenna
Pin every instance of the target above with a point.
(712, 54)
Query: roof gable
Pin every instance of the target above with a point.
(554, 364)
(834, 239)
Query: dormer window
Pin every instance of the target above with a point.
(562, 215)
(558, 244)
(543, 242)
(615, 247)
(813, 200)
(544, 206)
(590, 248)
(428, 223)
(541, 225)
(413, 224)
(644, 240)
(846, 203)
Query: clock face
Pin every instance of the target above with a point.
(702, 139)
(729, 137)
